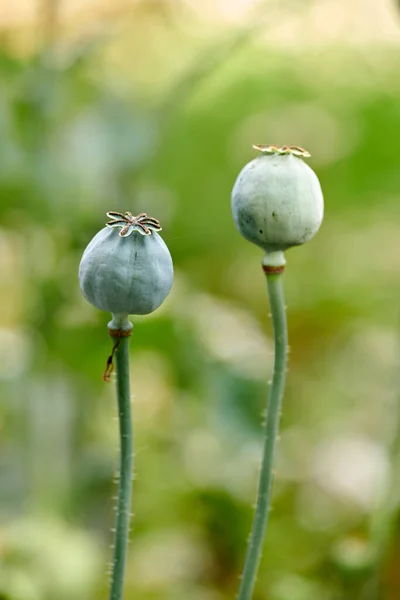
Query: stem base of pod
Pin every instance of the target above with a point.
(273, 261)
(120, 326)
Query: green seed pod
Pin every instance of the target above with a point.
(128, 271)
(277, 200)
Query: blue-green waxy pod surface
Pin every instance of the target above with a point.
(126, 275)
(277, 202)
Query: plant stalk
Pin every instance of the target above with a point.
(125, 469)
(254, 550)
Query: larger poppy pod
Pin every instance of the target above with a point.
(127, 268)
(277, 200)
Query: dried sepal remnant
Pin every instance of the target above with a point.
(295, 150)
(129, 223)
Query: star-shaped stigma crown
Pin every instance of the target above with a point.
(128, 223)
(295, 150)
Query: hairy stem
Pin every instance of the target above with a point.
(254, 550)
(125, 469)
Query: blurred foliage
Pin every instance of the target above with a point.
(78, 139)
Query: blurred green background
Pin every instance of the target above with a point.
(153, 106)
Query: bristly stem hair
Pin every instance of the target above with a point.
(125, 468)
(254, 550)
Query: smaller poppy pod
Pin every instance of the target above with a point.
(127, 272)
(277, 200)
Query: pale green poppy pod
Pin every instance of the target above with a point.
(277, 200)
(127, 267)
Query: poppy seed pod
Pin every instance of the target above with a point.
(127, 271)
(277, 200)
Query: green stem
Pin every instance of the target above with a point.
(125, 469)
(254, 550)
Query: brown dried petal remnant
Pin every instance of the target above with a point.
(273, 270)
